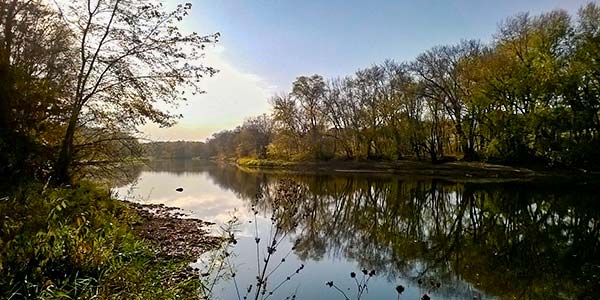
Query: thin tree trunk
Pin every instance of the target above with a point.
(5, 52)
(62, 173)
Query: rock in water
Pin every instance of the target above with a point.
(179, 189)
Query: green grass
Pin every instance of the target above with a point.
(78, 243)
(265, 163)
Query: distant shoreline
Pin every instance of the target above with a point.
(465, 170)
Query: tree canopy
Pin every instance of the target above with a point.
(529, 96)
(79, 78)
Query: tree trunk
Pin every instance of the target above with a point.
(5, 74)
(398, 140)
(433, 155)
(416, 150)
(62, 173)
(5, 98)
(465, 146)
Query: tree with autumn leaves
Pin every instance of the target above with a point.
(89, 73)
(531, 95)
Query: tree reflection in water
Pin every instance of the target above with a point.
(513, 240)
(520, 240)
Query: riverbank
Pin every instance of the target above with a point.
(175, 236)
(416, 168)
(80, 243)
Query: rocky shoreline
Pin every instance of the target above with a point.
(176, 236)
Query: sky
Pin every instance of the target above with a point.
(266, 44)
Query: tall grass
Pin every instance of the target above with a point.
(78, 243)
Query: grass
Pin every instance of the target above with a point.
(79, 243)
(264, 163)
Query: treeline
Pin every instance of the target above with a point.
(249, 140)
(174, 150)
(530, 95)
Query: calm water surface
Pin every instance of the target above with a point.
(449, 240)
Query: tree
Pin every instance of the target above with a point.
(439, 71)
(581, 89)
(255, 136)
(224, 144)
(308, 93)
(369, 88)
(34, 54)
(288, 124)
(342, 112)
(131, 56)
(523, 86)
(400, 93)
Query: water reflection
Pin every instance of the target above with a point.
(457, 240)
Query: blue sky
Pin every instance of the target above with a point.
(266, 44)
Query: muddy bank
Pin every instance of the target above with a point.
(176, 236)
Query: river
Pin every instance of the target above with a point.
(447, 239)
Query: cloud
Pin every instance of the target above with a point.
(232, 96)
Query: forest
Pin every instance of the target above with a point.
(529, 96)
(174, 150)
